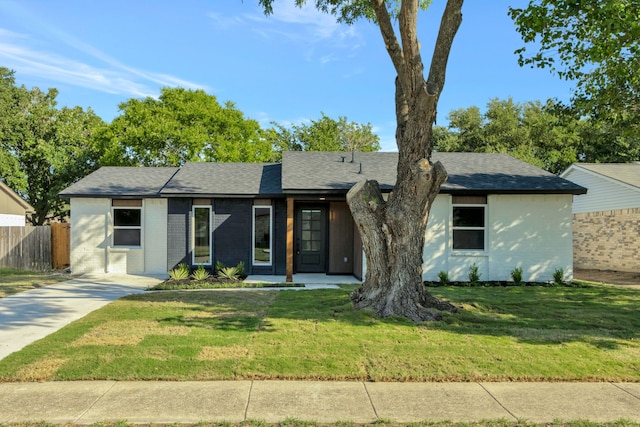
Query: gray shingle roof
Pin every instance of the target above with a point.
(468, 173)
(114, 181)
(316, 172)
(628, 173)
(240, 179)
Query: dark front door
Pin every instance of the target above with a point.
(311, 239)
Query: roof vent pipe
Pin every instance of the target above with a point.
(353, 156)
(360, 171)
(343, 157)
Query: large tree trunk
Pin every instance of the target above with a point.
(393, 240)
(393, 231)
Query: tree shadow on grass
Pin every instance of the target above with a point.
(598, 315)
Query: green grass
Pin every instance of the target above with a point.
(501, 334)
(13, 280)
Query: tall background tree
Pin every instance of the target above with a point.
(43, 149)
(181, 126)
(596, 44)
(535, 133)
(325, 134)
(393, 231)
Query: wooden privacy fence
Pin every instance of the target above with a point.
(35, 248)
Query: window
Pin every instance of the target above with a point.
(311, 227)
(469, 222)
(201, 235)
(127, 222)
(262, 235)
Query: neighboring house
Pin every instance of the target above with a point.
(13, 208)
(606, 222)
(493, 211)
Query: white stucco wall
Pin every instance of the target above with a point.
(91, 239)
(528, 231)
(89, 232)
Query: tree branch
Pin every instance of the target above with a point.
(389, 36)
(451, 20)
(411, 47)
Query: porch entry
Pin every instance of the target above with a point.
(311, 239)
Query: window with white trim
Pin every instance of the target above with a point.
(469, 222)
(262, 235)
(127, 223)
(202, 241)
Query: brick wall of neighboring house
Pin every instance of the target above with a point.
(608, 240)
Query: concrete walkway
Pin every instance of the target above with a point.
(29, 316)
(276, 401)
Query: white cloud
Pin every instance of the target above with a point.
(222, 22)
(318, 32)
(107, 75)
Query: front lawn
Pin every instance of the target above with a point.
(13, 280)
(501, 334)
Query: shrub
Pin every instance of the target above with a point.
(558, 276)
(444, 278)
(180, 272)
(230, 273)
(474, 275)
(219, 266)
(200, 274)
(516, 275)
(240, 268)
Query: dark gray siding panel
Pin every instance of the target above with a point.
(280, 236)
(232, 232)
(178, 232)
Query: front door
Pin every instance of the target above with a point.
(311, 239)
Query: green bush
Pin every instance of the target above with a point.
(516, 275)
(230, 273)
(219, 266)
(200, 274)
(180, 272)
(444, 278)
(558, 276)
(474, 275)
(240, 268)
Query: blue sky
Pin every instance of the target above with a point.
(288, 67)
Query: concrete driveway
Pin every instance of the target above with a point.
(29, 316)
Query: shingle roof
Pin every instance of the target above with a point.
(115, 181)
(468, 173)
(331, 171)
(316, 172)
(628, 173)
(211, 179)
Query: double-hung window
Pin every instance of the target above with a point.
(469, 222)
(127, 222)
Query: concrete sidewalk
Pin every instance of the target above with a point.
(275, 401)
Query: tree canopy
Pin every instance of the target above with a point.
(325, 134)
(181, 126)
(595, 43)
(533, 132)
(43, 149)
